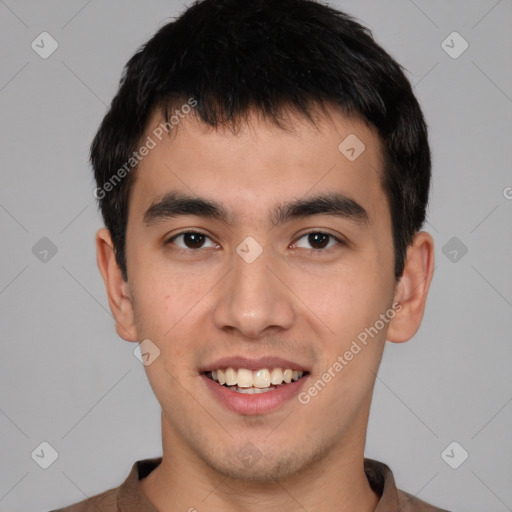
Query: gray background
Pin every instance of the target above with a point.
(67, 379)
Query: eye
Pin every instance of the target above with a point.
(318, 240)
(191, 240)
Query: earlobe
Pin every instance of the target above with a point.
(412, 289)
(118, 292)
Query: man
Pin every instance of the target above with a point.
(263, 175)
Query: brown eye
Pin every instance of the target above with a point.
(190, 240)
(193, 240)
(318, 240)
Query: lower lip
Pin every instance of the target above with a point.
(257, 403)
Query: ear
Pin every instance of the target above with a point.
(412, 289)
(118, 291)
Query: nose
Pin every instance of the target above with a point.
(254, 300)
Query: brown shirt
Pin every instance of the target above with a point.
(129, 498)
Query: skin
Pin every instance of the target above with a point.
(296, 301)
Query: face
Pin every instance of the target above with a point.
(239, 270)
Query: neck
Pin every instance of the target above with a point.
(336, 481)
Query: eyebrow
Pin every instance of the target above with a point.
(174, 204)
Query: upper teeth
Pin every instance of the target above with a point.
(263, 378)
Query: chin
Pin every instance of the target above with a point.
(252, 466)
(262, 472)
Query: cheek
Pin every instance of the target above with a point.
(171, 308)
(164, 295)
(347, 300)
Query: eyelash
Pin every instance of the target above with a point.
(328, 250)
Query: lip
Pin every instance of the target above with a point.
(252, 364)
(255, 404)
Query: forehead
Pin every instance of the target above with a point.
(261, 163)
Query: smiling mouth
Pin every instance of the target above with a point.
(242, 380)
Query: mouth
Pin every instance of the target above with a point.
(253, 387)
(250, 382)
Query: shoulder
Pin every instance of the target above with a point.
(125, 496)
(409, 503)
(104, 502)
